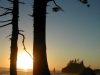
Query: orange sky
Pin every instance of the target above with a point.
(70, 35)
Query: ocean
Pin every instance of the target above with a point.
(5, 71)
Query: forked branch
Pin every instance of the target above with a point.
(57, 8)
(24, 44)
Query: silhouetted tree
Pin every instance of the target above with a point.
(75, 61)
(39, 46)
(39, 51)
(14, 38)
(15, 31)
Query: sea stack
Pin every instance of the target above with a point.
(87, 71)
(74, 67)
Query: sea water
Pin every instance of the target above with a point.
(5, 71)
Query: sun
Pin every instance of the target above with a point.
(24, 61)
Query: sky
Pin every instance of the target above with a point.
(72, 34)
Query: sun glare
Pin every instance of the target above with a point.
(24, 61)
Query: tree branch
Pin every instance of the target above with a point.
(24, 45)
(6, 25)
(57, 6)
(6, 13)
(31, 15)
(11, 1)
(21, 30)
(8, 35)
(5, 21)
(84, 2)
(21, 2)
(6, 8)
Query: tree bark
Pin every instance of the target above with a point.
(40, 65)
(14, 38)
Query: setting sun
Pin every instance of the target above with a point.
(24, 61)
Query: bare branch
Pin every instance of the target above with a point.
(84, 2)
(31, 15)
(23, 40)
(21, 2)
(24, 45)
(8, 35)
(6, 25)
(11, 1)
(6, 13)
(6, 8)
(5, 21)
(21, 30)
(57, 5)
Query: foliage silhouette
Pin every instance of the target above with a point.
(74, 66)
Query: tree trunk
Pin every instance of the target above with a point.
(14, 49)
(40, 65)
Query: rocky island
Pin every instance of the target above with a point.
(87, 71)
(77, 67)
(74, 67)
